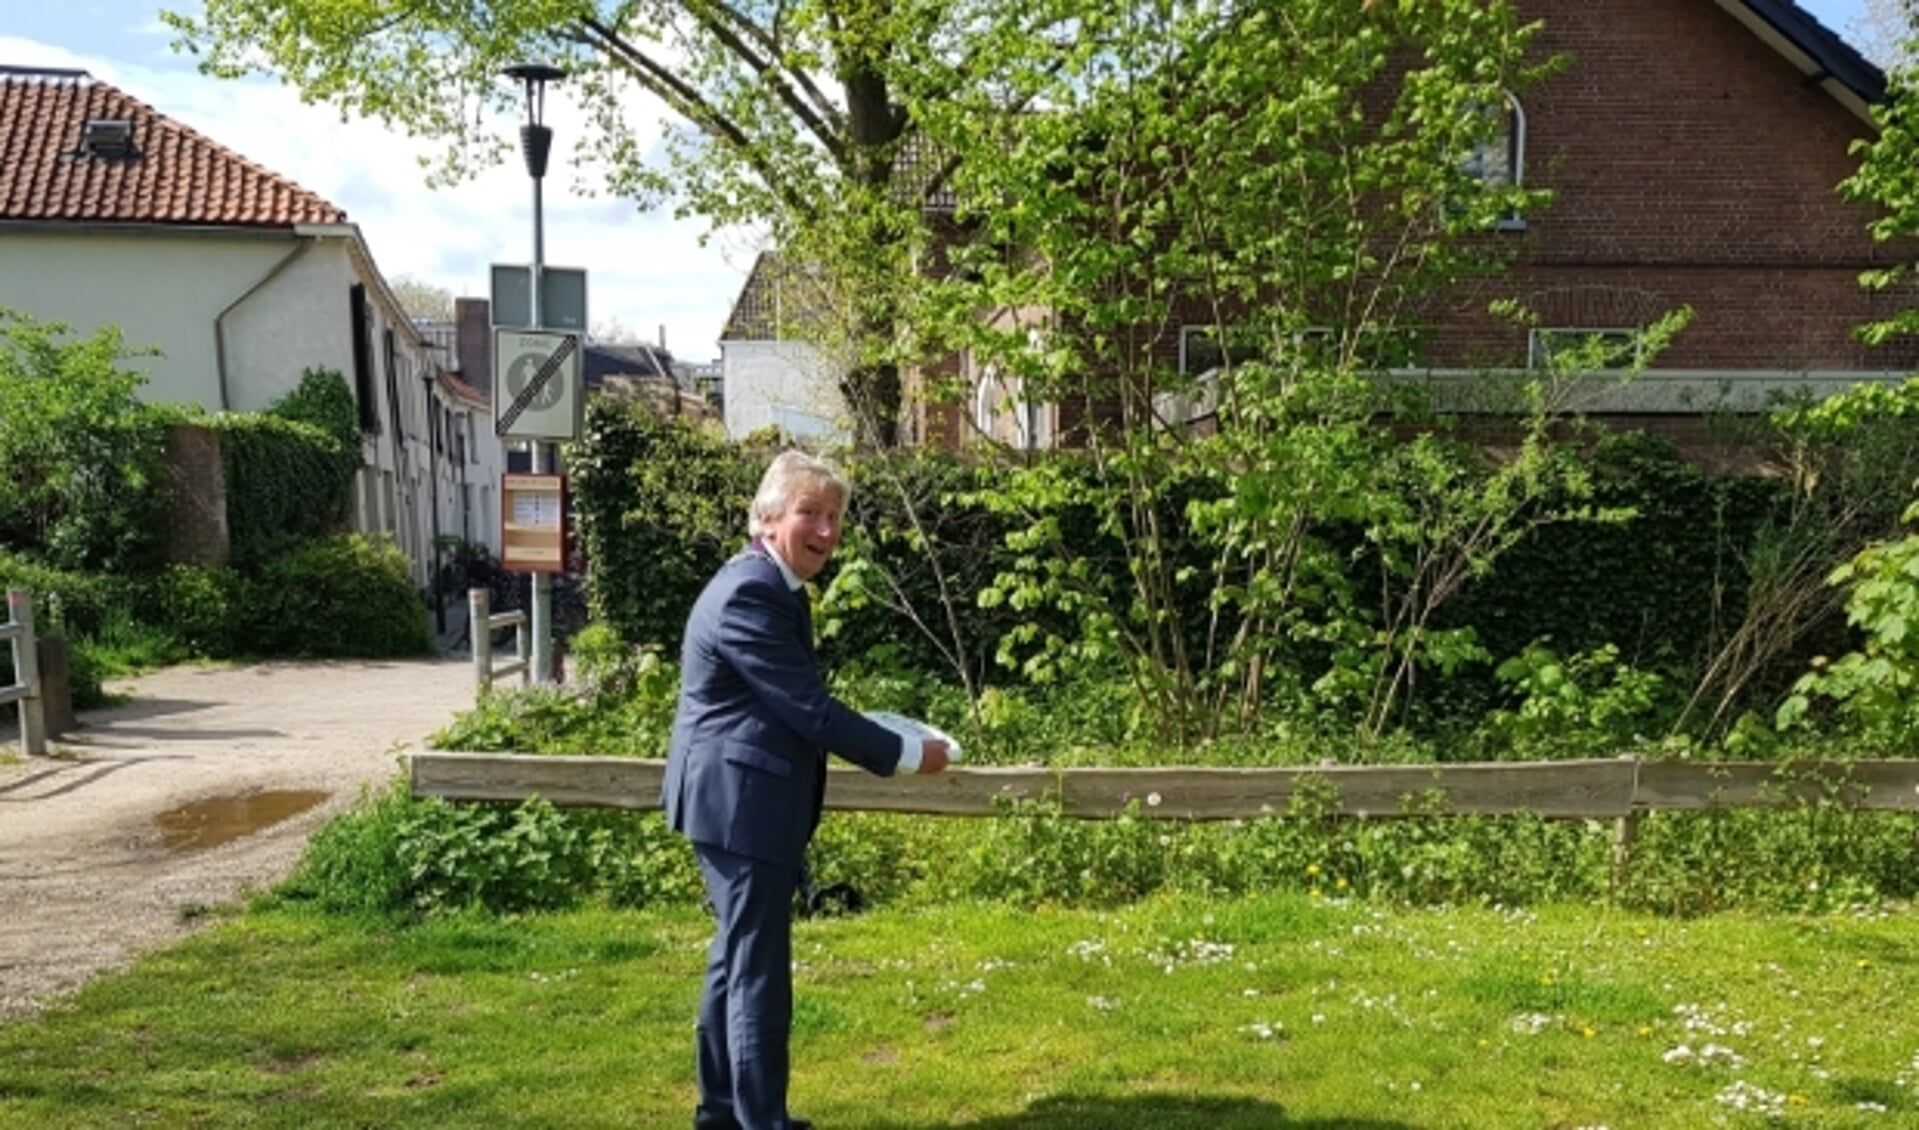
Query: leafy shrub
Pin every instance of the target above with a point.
(341, 596)
(1875, 690)
(501, 858)
(69, 602)
(82, 482)
(395, 855)
(352, 864)
(563, 720)
(661, 505)
(286, 482)
(322, 400)
(203, 608)
(1586, 705)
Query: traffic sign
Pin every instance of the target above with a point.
(538, 388)
(562, 297)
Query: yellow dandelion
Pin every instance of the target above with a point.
(1312, 869)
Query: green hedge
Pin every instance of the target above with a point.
(1658, 585)
(289, 472)
(346, 596)
(659, 505)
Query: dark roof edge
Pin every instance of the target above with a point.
(17, 70)
(1836, 58)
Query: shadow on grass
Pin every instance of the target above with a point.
(1155, 1112)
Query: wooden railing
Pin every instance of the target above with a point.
(1613, 788)
(17, 632)
(481, 623)
(1618, 789)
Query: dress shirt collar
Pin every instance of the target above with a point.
(792, 580)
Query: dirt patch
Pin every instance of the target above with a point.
(87, 876)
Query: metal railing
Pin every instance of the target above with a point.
(482, 622)
(17, 631)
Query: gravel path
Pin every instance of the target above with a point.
(103, 849)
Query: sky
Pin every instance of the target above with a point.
(646, 271)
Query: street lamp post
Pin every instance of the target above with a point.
(432, 436)
(536, 142)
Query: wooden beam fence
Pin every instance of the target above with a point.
(1608, 789)
(1618, 789)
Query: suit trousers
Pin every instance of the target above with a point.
(746, 1006)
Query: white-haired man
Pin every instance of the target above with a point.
(746, 780)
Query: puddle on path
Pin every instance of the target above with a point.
(223, 819)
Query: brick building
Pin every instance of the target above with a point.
(1693, 148)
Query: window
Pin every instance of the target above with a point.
(362, 320)
(1204, 360)
(1002, 412)
(1573, 350)
(1498, 159)
(393, 384)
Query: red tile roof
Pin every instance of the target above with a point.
(172, 176)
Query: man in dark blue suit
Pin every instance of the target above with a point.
(746, 779)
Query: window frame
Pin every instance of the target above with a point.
(1514, 136)
(1538, 351)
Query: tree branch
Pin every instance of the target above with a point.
(769, 40)
(689, 103)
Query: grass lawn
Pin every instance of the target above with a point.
(1225, 1016)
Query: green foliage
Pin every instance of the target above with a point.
(1875, 690)
(127, 646)
(1816, 858)
(70, 602)
(205, 609)
(323, 400)
(920, 543)
(660, 505)
(1660, 583)
(289, 480)
(501, 858)
(393, 855)
(557, 719)
(81, 481)
(1586, 705)
(352, 864)
(341, 596)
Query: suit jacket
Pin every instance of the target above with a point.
(746, 769)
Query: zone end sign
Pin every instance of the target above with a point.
(538, 392)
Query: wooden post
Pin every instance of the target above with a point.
(1624, 830)
(480, 632)
(26, 666)
(521, 639)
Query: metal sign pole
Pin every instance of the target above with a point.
(542, 618)
(536, 140)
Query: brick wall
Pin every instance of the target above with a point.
(197, 512)
(1691, 164)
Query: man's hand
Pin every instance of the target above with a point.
(932, 756)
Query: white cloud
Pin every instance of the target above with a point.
(644, 269)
